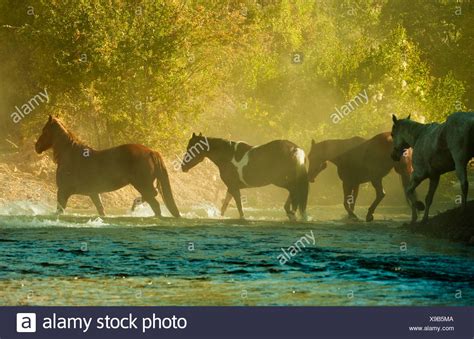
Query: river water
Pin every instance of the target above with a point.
(134, 260)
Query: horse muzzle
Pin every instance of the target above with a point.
(38, 148)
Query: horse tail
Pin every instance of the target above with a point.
(404, 169)
(302, 183)
(163, 184)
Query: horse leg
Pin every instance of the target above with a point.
(98, 204)
(434, 181)
(379, 195)
(355, 193)
(348, 199)
(461, 173)
(62, 198)
(225, 202)
(415, 180)
(290, 212)
(136, 202)
(148, 193)
(236, 195)
(155, 206)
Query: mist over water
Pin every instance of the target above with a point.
(146, 261)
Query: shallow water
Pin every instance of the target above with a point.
(146, 261)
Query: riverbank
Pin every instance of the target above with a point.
(451, 224)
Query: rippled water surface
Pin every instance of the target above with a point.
(147, 261)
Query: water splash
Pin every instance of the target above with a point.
(96, 222)
(24, 207)
(210, 210)
(144, 210)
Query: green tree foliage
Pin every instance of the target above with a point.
(153, 71)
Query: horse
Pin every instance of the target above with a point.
(85, 171)
(437, 148)
(279, 162)
(358, 161)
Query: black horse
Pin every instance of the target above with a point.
(279, 162)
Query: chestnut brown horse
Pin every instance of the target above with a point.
(359, 161)
(86, 171)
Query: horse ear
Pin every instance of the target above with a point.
(313, 142)
(200, 134)
(394, 119)
(50, 118)
(194, 134)
(409, 116)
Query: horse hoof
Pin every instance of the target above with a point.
(369, 217)
(353, 217)
(420, 206)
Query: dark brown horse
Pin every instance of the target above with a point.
(86, 171)
(279, 162)
(359, 161)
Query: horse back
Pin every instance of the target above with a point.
(368, 160)
(124, 155)
(106, 170)
(459, 133)
(272, 152)
(273, 162)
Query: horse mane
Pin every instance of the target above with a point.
(65, 140)
(417, 128)
(221, 142)
(225, 143)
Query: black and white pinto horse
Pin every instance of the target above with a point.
(279, 162)
(437, 149)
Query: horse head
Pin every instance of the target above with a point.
(316, 162)
(46, 139)
(196, 151)
(399, 141)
